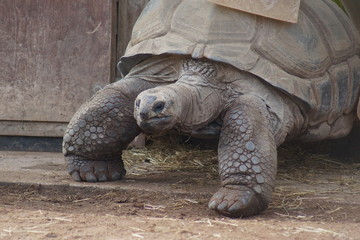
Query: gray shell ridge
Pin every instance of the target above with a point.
(315, 61)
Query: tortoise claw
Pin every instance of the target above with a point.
(95, 171)
(236, 201)
(76, 176)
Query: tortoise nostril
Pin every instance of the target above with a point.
(159, 106)
(143, 115)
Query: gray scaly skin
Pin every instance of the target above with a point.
(100, 130)
(250, 132)
(247, 159)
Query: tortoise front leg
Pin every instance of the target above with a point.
(247, 159)
(101, 129)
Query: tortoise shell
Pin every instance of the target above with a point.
(315, 60)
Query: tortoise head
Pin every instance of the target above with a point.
(187, 105)
(157, 110)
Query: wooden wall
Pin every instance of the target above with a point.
(54, 54)
(353, 9)
(128, 12)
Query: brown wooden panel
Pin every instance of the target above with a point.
(53, 55)
(34, 129)
(284, 10)
(129, 11)
(353, 9)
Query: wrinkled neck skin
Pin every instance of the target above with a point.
(200, 102)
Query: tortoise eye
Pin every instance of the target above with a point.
(137, 103)
(159, 106)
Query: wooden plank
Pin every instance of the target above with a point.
(32, 144)
(54, 55)
(35, 129)
(353, 9)
(284, 10)
(128, 12)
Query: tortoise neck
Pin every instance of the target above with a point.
(200, 103)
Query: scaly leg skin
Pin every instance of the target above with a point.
(247, 159)
(100, 130)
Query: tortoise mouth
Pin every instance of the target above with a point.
(156, 125)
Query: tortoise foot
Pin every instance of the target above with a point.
(236, 201)
(95, 171)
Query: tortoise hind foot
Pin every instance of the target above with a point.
(82, 169)
(236, 201)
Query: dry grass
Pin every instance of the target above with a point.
(295, 164)
(169, 154)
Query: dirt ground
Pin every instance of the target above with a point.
(317, 197)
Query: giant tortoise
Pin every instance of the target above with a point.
(192, 65)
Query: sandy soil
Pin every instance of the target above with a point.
(316, 197)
